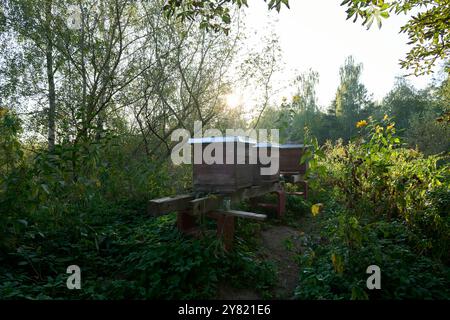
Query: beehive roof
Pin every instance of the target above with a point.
(240, 139)
(267, 145)
(293, 146)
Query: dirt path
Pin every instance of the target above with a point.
(280, 244)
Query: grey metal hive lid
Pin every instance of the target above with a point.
(294, 146)
(240, 139)
(267, 145)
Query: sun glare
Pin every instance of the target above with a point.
(234, 100)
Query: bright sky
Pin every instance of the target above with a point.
(316, 34)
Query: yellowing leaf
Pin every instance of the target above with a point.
(338, 263)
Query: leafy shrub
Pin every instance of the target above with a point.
(336, 268)
(390, 209)
(130, 256)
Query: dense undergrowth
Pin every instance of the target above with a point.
(373, 201)
(377, 203)
(86, 205)
(133, 257)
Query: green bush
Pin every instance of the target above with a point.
(384, 205)
(336, 268)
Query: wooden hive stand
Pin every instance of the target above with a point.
(231, 183)
(189, 208)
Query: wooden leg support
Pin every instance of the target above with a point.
(305, 189)
(304, 186)
(281, 205)
(254, 202)
(185, 222)
(225, 230)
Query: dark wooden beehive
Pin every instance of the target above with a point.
(290, 156)
(226, 177)
(258, 178)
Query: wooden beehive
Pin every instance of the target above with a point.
(225, 177)
(290, 156)
(266, 148)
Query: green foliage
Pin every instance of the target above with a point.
(14, 180)
(124, 254)
(84, 201)
(333, 270)
(214, 15)
(432, 138)
(420, 115)
(85, 205)
(404, 101)
(351, 97)
(428, 30)
(10, 128)
(381, 207)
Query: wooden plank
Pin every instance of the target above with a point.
(267, 205)
(213, 202)
(159, 207)
(297, 193)
(254, 191)
(293, 177)
(242, 214)
(206, 204)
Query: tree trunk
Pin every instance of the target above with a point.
(50, 79)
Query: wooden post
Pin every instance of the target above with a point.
(185, 221)
(281, 205)
(225, 227)
(225, 230)
(254, 202)
(305, 188)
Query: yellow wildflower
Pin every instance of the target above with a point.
(379, 129)
(385, 117)
(296, 98)
(316, 209)
(389, 127)
(361, 124)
